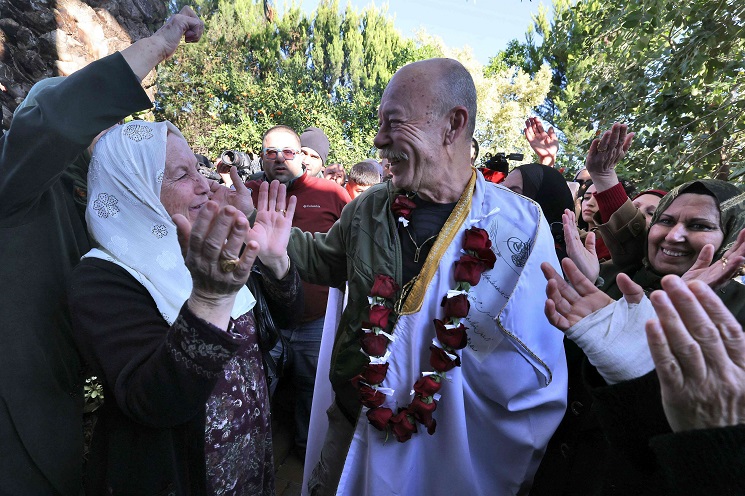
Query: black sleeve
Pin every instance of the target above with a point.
(44, 138)
(703, 462)
(630, 414)
(159, 375)
(284, 297)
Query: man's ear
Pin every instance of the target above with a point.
(457, 123)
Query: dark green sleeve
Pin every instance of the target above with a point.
(45, 138)
(321, 258)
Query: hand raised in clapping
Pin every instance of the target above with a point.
(239, 197)
(698, 348)
(544, 144)
(212, 250)
(584, 256)
(272, 226)
(605, 153)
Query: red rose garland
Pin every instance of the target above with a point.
(450, 332)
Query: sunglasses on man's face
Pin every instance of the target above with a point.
(287, 153)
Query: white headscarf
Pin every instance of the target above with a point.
(129, 223)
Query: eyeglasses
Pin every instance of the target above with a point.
(287, 153)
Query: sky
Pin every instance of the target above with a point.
(484, 25)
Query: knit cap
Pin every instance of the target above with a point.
(316, 139)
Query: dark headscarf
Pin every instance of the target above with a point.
(549, 189)
(731, 203)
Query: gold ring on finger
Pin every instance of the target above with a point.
(229, 265)
(283, 211)
(602, 149)
(724, 263)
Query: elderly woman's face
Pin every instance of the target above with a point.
(675, 240)
(184, 190)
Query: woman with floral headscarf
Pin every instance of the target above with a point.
(173, 336)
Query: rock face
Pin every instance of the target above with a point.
(44, 38)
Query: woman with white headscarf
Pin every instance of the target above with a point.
(172, 336)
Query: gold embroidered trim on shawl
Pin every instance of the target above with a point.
(415, 294)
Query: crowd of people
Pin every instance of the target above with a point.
(446, 329)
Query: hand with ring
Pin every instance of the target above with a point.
(271, 229)
(212, 247)
(717, 275)
(605, 153)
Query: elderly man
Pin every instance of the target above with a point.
(314, 146)
(43, 237)
(443, 345)
(319, 205)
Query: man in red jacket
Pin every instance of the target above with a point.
(319, 205)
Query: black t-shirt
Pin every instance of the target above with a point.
(418, 238)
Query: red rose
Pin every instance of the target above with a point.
(374, 373)
(374, 344)
(427, 385)
(379, 316)
(468, 269)
(384, 287)
(402, 207)
(379, 417)
(456, 338)
(476, 240)
(402, 425)
(370, 397)
(422, 410)
(440, 361)
(487, 257)
(456, 306)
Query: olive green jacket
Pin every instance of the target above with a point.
(371, 246)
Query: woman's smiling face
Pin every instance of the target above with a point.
(676, 239)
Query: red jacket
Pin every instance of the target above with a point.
(319, 205)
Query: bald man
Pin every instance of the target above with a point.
(472, 407)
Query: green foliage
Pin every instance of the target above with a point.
(248, 74)
(674, 71)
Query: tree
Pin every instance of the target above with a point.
(506, 96)
(328, 69)
(674, 71)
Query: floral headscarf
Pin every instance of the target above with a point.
(129, 223)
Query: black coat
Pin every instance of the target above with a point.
(42, 237)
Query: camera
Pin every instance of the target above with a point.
(235, 158)
(499, 161)
(246, 163)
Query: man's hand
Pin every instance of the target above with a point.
(145, 54)
(544, 144)
(605, 153)
(699, 352)
(718, 274)
(584, 257)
